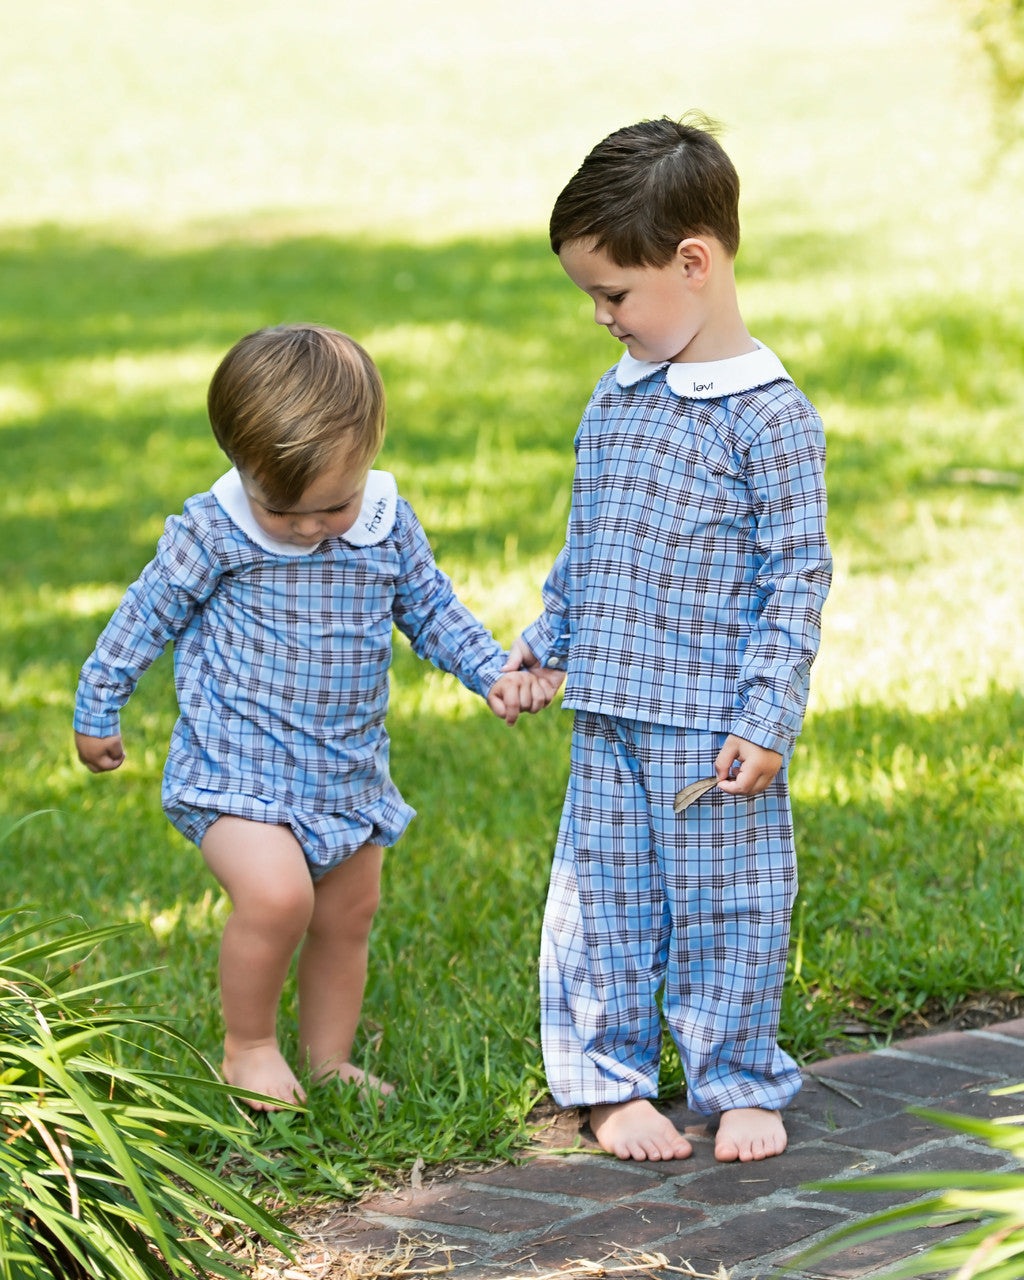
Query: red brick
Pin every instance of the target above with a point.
(939, 1159)
(973, 1049)
(749, 1235)
(895, 1073)
(893, 1134)
(859, 1259)
(851, 1105)
(609, 1232)
(349, 1231)
(593, 1177)
(981, 1103)
(465, 1206)
(739, 1183)
(1014, 1028)
(635, 1226)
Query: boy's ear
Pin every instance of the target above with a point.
(694, 257)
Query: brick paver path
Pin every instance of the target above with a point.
(850, 1118)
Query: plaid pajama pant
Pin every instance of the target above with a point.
(696, 905)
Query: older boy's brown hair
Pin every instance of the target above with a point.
(285, 400)
(647, 187)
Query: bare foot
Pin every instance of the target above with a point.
(636, 1130)
(262, 1069)
(750, 1133)
(348, 1074)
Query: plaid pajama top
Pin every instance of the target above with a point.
(690, 588)
(282, 653)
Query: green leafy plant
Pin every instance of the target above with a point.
(95, 1177)
(998, 27)
(993, 1249)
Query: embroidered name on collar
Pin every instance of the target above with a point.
(373, 524)
(376, 516)
(708, 380)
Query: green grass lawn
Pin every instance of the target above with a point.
(177, 181)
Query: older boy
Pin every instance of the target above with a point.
(685, 610)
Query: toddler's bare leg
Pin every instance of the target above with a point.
(263, 871)
(750, 1133)
(637, 1130)
(333, 964)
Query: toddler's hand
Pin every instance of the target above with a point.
(516, 692)
(758, 766)
(100, 755)
(522, 656)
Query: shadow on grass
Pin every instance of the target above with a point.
(930, 802)
(463, 890)
(488, 405)
(107, 473)
(71, 295)
(94, 296)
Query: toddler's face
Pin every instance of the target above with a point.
(327, 509)
(652, 310)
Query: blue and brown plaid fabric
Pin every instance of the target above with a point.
(642, 899)
(685, 606)
(281, 669)
(696, 564)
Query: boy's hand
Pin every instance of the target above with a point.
(516, 692)
(758, 766)
(521, 655)
(100, 755)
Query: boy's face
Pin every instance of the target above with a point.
(655, 311)
(327, 509)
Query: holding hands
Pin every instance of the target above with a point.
(742, 768)
(524, 685)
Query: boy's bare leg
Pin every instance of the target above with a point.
(750, 1133)
(637, 1130)
(264, 873)
(333, 964)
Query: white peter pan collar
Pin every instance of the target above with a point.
(373, 524)
(707, 380)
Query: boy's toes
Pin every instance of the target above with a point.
(637, 1130)
(749, 1133)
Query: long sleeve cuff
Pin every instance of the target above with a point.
(761, 735)
(551, 649)
(96, 724)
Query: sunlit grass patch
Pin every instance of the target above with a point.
(906, 781)
(877, 260)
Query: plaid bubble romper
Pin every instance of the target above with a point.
(281, 658)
